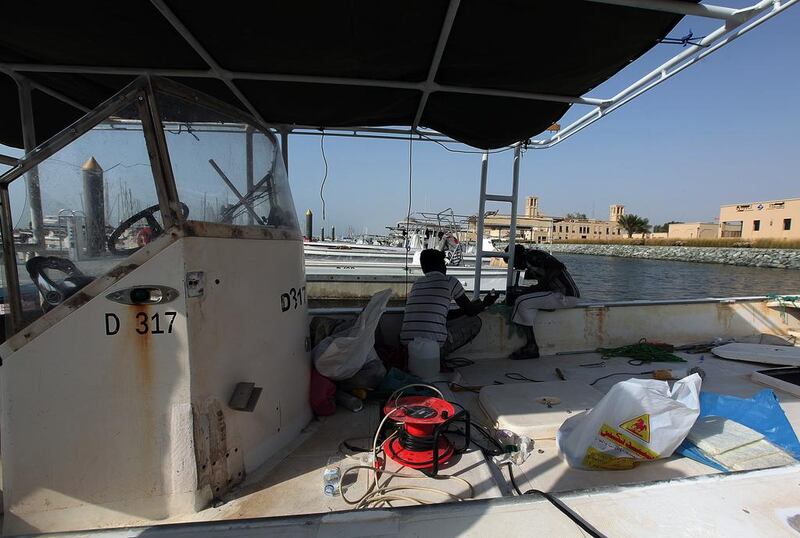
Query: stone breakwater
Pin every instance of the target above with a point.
(751, 257)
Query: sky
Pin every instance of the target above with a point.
(721, 132)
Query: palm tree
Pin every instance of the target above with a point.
(634, 224)
(643, 227)
(629, 223)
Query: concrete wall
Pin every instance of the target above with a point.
(693, 230)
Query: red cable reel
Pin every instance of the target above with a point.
(420, 442)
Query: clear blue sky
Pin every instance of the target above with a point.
(720, 132)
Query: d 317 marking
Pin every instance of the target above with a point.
(144, 324)
(293, 299)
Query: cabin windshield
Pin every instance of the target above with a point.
(225, 170)
(97, 201)
(87, 190)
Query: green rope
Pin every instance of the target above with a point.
(643, 351)
(783, 300)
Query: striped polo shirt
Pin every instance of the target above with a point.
(427, 306)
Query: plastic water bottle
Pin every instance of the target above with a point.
(349, 401)
(423, 358)
(331, 477)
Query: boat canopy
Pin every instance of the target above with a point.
(487, 73)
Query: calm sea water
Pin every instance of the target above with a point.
(606, 278)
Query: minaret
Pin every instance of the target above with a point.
(532, 206)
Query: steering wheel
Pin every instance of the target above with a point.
(148, 214)
(54, 293)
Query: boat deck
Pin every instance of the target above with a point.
(291, 484)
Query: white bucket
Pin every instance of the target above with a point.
(423, 358)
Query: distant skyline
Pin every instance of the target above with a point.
(721, 132)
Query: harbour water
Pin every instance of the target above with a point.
(606, 278)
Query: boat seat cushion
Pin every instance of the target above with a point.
(536, 410)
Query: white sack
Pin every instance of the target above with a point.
(340, 356)
(638, 420)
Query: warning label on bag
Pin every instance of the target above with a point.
(626, 443)
(638, 426)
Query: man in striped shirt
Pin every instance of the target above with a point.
(428, 313)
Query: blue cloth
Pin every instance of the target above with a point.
(762, 413)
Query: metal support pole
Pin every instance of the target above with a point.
(156, 142)
(680, 8)
(444, 35)
(479, 229)
(513, 228)
(13, 298)
(94, 207)
(32, 177)
(242, 200)
(309, 225)
(8, 160)
(248, 144)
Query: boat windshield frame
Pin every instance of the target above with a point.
(144, 93)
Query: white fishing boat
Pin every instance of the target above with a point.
(347, 271)
(162, 387)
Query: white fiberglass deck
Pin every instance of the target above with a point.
(292, 485)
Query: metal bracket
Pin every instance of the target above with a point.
(195, 283)
(245, 397)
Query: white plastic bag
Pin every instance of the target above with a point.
(340, 356)
(638, 420)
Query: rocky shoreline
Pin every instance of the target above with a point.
(751, 257)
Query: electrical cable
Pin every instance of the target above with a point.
(324, 177)
(489, 452)
(354, 448)
(408, 213)
(577, 519)
(458, 362)
(376, 493)
(456, 387)
(620, 373)
(373, 496)
(478, 152)
(399, 392)
(513, 481)
(483, 430)
(516, 376)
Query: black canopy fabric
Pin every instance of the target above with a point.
(563, 47)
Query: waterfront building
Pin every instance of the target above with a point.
(772, 219)
(533, 227)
